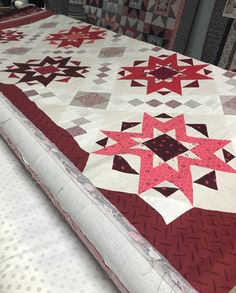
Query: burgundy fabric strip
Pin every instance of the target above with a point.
(24, 16)
(57, 135)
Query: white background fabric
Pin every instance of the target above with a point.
(38, 250)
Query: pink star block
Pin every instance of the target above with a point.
(151, 176)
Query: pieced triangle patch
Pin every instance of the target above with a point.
(166, 191)
(228, 156)
(122, 72)
(207, 72)
(202, 128)
(163, 115)
(76, 62)
(127, 125)
(193, 84)
(13, 75)
(188, 61)
(121, 165)
(64, 79)
(135, 83)
(208, 180)
(31, 83)
(138, 62)
(102, 142)
(163, 93)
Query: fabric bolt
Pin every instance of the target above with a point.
(185, 26)
(217, 34)
(135, 145)
(228, 57)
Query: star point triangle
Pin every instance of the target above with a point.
(166, 191)
(208, 180)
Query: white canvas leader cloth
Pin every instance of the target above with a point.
(39, 253)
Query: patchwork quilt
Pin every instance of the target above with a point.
(165, 23)
(146, 134)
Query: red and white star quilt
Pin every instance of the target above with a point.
(151, 130)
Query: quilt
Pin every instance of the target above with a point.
(150, 132)
(165, 23)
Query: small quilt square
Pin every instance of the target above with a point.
(91, 100)
(111, 52)
(76, 130)
(17, 51)
(48, 25)
(229, 104)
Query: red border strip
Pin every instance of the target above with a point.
(57, 135)
(25, 16)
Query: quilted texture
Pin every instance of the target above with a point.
(214, 234)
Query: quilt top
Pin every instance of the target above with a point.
(153, 130)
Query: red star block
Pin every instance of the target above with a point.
(8, 36)
(164, 73)
(76, 36)
(204, 150)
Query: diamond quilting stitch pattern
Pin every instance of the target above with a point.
(165, 73)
